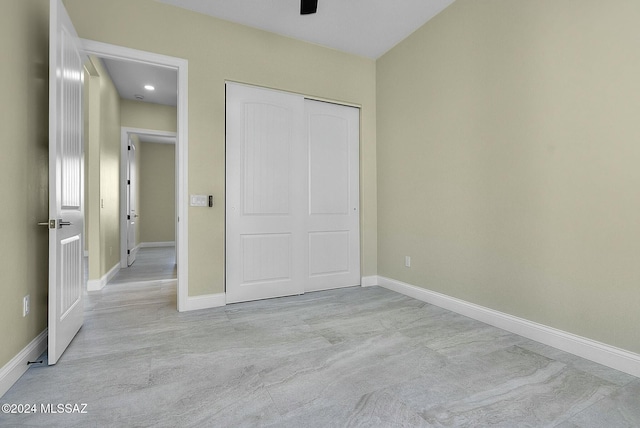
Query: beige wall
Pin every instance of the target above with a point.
(103, 153)
(24, 43)
(157, 193)
(508, 155)
(109, 173)
(137, 114)
(92, 171)
(219, 50)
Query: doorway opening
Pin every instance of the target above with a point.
(147, 191)
(178, 140)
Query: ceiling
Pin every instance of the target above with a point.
(130, 77)
(367, 28)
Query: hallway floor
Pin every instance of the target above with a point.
(154, 263)
(350, 357)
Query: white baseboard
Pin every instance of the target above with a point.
(157, 244)
(206, 301)
(16, 367)
(601, 353)
(369, 281)
(98, 284)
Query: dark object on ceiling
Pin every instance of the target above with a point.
(308, 7)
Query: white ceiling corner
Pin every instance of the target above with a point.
(366, 28)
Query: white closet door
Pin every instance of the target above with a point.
(333, 209)
(265, 194)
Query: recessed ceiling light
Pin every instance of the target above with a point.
(149, 87)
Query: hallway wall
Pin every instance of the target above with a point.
(157, 192)
(103, 151)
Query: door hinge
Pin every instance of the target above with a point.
(129, 182)
(128, 252)
(128, 217)
(128, 147)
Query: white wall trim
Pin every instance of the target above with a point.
(98, 284)
(148, 281)
(206, 301)
(16, 367)
(134, 251)
(369, 281)
(106, 50)
(157, 244)
(601, 353)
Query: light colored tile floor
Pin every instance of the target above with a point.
(344, 358)
(150, 264)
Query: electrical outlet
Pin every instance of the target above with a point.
(26, 305)
(407, 261)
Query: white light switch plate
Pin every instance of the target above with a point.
(199, 200)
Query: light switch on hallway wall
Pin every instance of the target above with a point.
(199, 200)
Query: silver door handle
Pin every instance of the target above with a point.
(51, 224)
(64, 223)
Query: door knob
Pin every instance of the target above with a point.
(64, 223)
(51, 224)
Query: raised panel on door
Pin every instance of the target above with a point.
(264, 194)
(333, 211)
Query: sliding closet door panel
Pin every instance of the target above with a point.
(265, 195)
(333, 208)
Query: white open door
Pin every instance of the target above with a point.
(132, 208)
(66, 215)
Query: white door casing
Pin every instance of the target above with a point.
(132, 209)
(264, 207)
(66, 217)
(333, 223)
(292, 197)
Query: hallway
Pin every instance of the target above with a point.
(153, 263)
